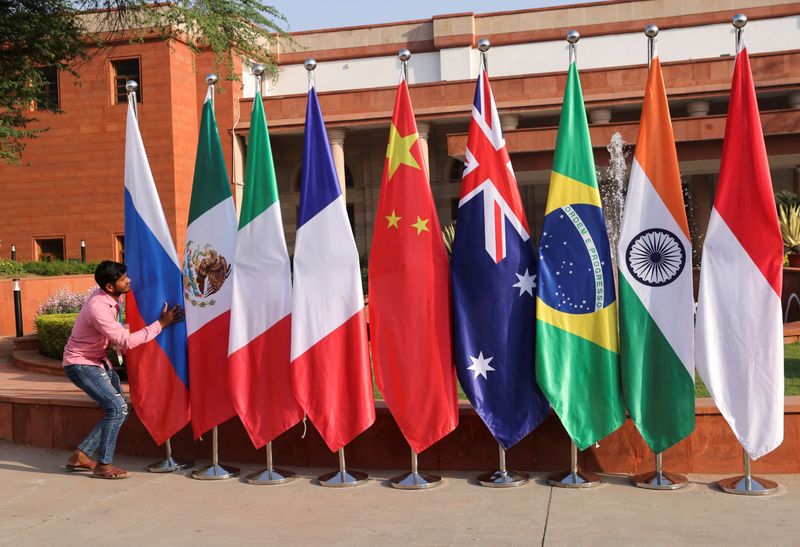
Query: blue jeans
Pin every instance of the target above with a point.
(102, 385)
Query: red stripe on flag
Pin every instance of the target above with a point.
(487, 103)
(498, 233)
(259, 376)
(333, 384)
(208, 360)
(160, 398)
(744, 197)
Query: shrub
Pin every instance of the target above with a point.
(53, 332)
(60, 267)
(10, 267)
(64, 301)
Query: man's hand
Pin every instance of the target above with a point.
(170, 316)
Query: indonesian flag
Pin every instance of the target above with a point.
(739, 340)
(409, 292)
(330, 355)
(261, 321)
(656, 304)
(207, 263)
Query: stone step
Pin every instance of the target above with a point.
(27, 342)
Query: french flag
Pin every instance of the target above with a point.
(330, 356)
(158, 371)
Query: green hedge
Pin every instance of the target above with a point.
(11, 267)
(53, 332)
(56, 267)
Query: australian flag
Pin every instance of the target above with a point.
(493, 270)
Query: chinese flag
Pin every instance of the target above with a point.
(409, 292)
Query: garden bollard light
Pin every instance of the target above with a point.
(83, 250)
(13, 252)
(18, 307)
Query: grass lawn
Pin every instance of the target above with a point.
(791, 374)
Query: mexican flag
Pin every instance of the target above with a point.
(260, 337)
(207, 265)
(577, 355)
(655, 282)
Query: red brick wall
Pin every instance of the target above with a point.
(34, 291)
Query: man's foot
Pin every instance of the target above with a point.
(108, 471)
(78, 461)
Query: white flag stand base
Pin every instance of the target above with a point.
(502, 477)
(660, 479)
(215, 471)
(343, 478)
(748, 485)
(574, 478)
(169, 464)
(270, 475)
(415, 480)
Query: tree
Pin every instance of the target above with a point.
(39, 36)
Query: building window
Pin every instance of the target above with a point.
(49, 249)
(124, 70)
(456, 171)
(119, 247)
(348, 177)
(49, 98)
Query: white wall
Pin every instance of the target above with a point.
(779, 34)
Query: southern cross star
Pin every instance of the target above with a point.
(480, 365)
(526, 283)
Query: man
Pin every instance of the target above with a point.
(85, 362)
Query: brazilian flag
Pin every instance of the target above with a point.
(577, 348)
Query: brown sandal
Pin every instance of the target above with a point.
(110, 472)
(80, 463)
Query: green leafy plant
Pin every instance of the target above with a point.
(10, 267)
(53, 332)
(787, 199)
(789, 221)
(449, 235)
(59, 267)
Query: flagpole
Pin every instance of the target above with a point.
(168, 464)
(415, 480)
(404, 55)
(502, 477)
(651, 31)
(343, 477)
(483, 46)
(747, 484)
(739, 21)
(310, 66)
(572, 39)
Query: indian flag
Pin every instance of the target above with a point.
(207, 264)
(577, 355)
(260, 335)
(655, 282)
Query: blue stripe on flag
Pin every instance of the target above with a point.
(155, 279)
(319, 185)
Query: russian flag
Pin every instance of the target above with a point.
(330, 357)
(158, 371)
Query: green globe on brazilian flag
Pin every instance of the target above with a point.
(577, 348)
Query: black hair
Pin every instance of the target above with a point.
(109, 271)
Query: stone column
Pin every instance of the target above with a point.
(336, 138)
(509, 122)
(424, 130)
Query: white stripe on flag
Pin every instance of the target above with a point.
(327, 277)
(739, 341)
(142, 188)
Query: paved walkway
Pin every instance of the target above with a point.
(40, 504)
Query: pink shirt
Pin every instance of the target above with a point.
(97, 328)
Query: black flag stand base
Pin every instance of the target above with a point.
(660, 480)
(343, 477)
(748, 485)
(215, 471)
(169, 464)
(574, 478)
(415, 480)
(270, 475)
(502, 477)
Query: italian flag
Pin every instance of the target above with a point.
(207, 265)
(260, 333)
(655, 283)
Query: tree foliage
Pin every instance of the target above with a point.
(37, 35)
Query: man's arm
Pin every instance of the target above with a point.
(120, 337)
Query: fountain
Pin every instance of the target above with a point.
(613, 183)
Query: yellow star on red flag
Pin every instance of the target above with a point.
(421, 225)
(399, 150)
(393, 220)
